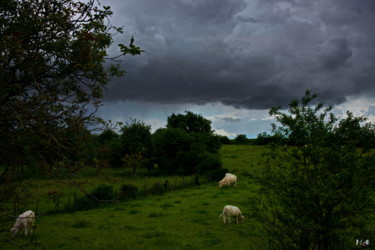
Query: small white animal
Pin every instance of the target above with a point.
(26, 221)
(228, 180)
(232, 211)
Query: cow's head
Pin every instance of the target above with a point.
(13, 231)
(241, 219)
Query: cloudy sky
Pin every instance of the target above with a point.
(232, 60)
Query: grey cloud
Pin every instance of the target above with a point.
(251, 54)
(213, 11)
(247, 19)
(229, 119)
(337, 54)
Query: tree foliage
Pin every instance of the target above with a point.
(106, 150)
(264, 139)
(187, 145)
(190, 122)
(241, 139)
(53, 57)
(136, 144)
(318, 193)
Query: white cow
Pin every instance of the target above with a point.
(363, 243)
(26, 221)
(232, 211)
(228, 180)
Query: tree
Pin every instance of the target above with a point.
(198, 126)
(135, 144)
(241, 139)
(107, 150)
(172, 150)
(190, 122)
(224, 139)
(318, 193)
(52, 74)
(264, 139)
(187, 145)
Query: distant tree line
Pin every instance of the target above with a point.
(187, 145)
(241, 139)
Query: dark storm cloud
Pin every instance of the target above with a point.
(337, 55)
(246, 53)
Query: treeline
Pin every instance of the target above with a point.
(286, 140)
(186, 146)
(241, 139)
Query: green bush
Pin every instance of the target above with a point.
(103, 192)
(127, 191)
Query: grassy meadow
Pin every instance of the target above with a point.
(184, 218)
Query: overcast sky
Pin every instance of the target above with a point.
(232, 60)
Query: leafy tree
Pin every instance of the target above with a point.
(224, 139)
(190, 122)
(317, 194)
(241, 139)
(107, 150)
(187, 145)
(264, 139)
(107, 137)
(170, 145)
(198, 126)
(136, 144)
(53, 69)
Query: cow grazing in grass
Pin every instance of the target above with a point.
(26, 221)
(230, 212)
(228, 180)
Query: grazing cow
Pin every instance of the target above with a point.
(228, 180)
(232, 211)
(26, 221)
(363, 243)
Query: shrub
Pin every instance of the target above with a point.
(103, 192)
(127, 191)
(317, 194)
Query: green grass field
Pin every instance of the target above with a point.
(186, 218)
